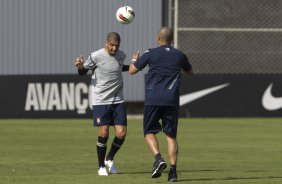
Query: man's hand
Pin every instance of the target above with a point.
(79, 62)
(132, 68)
(135, 57)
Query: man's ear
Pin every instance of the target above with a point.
(157, 38)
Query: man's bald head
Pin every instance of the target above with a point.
(165, 35)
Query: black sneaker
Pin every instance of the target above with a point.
(172, 176)
(158, 167)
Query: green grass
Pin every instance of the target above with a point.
(214, 151)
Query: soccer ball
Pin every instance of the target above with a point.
(125, 15)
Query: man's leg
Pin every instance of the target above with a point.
(152, 143)
(103, 135)
(170, 124)
(120, 124)
(173, 154)
(172, 150)
(159, 164)
(120, 134)
(151, 126)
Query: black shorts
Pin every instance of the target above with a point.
(114, 114)
(169, 116)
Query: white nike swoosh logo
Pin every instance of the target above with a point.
(269, 102)
(184, 99)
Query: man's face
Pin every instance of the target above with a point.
(112, 46)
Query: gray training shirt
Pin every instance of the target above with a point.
(106, 80)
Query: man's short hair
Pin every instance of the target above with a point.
(113, 35)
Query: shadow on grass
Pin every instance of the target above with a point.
(226, 178)
(180, 171)
(232, 178)
(208, 179)
(136, 172)
(200, 170)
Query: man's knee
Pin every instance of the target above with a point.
(103, 131)
(121, 132)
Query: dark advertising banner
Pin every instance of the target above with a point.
(67, 96)
(45, 96)
(231, 96)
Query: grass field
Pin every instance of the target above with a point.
(214, 151)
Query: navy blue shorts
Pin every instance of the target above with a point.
(114, 114)
(169, 116)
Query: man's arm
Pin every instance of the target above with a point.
(79, 64)
(133, 69)
(82, 71)
(125, 68)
